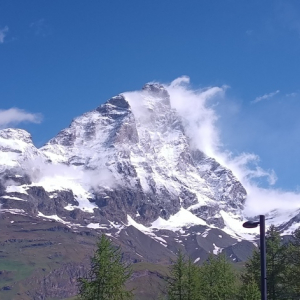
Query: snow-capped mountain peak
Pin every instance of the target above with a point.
(129, 161)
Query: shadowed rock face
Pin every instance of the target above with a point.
(118, 101)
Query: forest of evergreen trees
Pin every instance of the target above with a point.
(215, 279)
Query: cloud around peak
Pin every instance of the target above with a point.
(197, 113)
(198, 110)
(14, 116)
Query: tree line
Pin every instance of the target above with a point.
(215, 279)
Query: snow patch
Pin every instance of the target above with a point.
(138, 226)
(217, 249)
(13, 198)
(291, 229)
(97, 226)
(53, 217)
(175, 223)
(205, 233)
(70, 207)
(17, 189)
(196, 260)
(117, 226)
(146, 230)
(14, 211)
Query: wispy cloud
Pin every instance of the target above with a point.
(3, 33)
(14, 116)
(40, 28)
(291, 95)
(265, 96)
(198, 115)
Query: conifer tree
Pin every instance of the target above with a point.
(293, 273)
(107, 276)
(252, 271)
(249, 290)
(218, 279)
(276, 265)
(183, 281)
(177, 280)
(192, 281)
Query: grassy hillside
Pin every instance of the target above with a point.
(44, 258)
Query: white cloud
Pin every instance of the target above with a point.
(180, 80)
(60, 176)
(3, 33)
(245, 167)
(15, 116)
(265, 96)
(198, 115)
(263, 201)
(260, 200)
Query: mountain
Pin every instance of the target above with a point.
(129, 169)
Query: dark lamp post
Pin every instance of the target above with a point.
(263, 267)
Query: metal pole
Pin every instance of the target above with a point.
(263, 264)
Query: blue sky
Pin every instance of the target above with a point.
(59, 59)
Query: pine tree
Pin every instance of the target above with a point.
(192, 281)
(183, 281)
(249, 290)
(293, 274)
(276, 265)
(107, 275)
(218, 279)
(176, 281)
(252, 269)
(208, 275)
